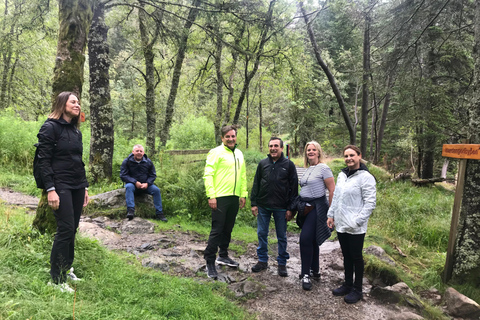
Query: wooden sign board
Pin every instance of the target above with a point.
(461, 151)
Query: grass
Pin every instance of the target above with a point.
(115, 286)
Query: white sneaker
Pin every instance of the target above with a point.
(63, 287)
(72, 275)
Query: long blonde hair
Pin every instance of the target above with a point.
(320, 153)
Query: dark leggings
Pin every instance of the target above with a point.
(223, 220)
(309, 250)
(68, 218)
(352, 245)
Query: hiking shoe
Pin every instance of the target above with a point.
(315, 276)
(306, 283)
(354, 296)
(160, 216)
(260, 266)
(342, 290)
(212, 271)
(226, 261)
(63, 287)
(72, 275)
(130, 213)
(282, 271)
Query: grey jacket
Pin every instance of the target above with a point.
(353, 201)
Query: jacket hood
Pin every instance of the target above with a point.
(349, 173)
(59, 121)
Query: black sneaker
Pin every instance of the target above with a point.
(130, 213)
(160, 216)
(306, 283)
(212, 271)
(282, 271)
(315, 276)
(342, 290)
(226, 261)
(260, 266)
(354, 296)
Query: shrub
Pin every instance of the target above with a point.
(194, 133)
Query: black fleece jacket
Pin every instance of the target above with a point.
(60, 151)
(275, 183)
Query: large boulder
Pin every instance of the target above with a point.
(461, 306)
(112, 204)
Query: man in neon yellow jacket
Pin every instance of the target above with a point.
(226, 186)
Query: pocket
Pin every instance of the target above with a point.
(350, 216)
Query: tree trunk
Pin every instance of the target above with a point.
(260, 118)
(466, 268)
(231, 89)
(258, 55)
(44, 219)
(74, 18)
(149, 77)
(7, 58)
(246, 124)
(101, 111)
(192, 15)
(366, 75)
(331, 78)
(218, 68)
(383, 121)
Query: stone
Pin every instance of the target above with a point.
(156, 263)
(461, 306)
(137, 226)
(405, 315)
(380, 254)
(399, 292)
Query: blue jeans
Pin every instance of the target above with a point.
(263, 222)
(153, 190)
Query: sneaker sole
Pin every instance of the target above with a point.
(227, 264)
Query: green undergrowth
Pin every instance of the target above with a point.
(114, 286)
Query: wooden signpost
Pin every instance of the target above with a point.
(462, 152)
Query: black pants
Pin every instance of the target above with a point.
(352, 245)
(309, 250)
(223, 220)
(68, 218)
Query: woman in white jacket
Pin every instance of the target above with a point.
(352, 205)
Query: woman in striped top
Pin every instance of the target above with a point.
(315, 181)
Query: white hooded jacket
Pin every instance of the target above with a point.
(353, 201)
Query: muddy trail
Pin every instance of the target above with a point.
(265, 294)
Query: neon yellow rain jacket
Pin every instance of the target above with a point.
(225, 173)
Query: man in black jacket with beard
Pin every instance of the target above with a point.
(274, 187)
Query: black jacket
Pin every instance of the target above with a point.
(275, 184)
(132, 171)
(60, 151)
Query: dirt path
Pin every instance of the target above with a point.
(179, 253)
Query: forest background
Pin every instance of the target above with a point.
(395, 77)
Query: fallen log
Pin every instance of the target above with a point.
(424, 182)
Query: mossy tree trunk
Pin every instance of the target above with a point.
(101, 111)
(466, 268)
(74, 19)
(44, 220)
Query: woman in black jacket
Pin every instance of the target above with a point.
(60, 151)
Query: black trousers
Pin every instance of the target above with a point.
(309, 249)
(68, 218)
(352, 245)
(223, 220)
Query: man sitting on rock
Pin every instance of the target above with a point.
(138, 173)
